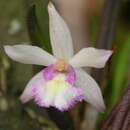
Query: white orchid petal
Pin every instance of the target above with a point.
(91, 57)
(28, 54)
(38, 82)
(91, 89)
(60, 35)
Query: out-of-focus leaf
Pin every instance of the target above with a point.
(119, 75)
(94, 29)
(121, 62)
(38, 24)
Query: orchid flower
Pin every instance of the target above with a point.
(63, 82)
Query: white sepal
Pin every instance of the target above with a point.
(91, 57)
(28, 54)
(60, 35)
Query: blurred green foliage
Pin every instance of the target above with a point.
(120, 71)
(38, 24)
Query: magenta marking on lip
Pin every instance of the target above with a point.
(38, 98)
(49, 73)
(71, 76)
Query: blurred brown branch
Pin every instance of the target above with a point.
(108, 24)
(107, 32)
(119, 118)
(106, 36)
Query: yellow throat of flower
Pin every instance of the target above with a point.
(57, 84)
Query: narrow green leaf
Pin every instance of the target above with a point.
(121, 62)
(38, 24)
